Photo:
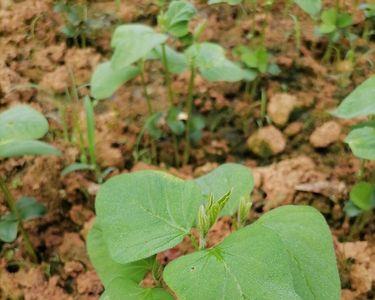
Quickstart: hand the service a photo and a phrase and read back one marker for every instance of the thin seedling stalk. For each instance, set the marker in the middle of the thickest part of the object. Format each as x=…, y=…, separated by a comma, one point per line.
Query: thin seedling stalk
x=189, y=107
x=11, y=203
x=149, y=105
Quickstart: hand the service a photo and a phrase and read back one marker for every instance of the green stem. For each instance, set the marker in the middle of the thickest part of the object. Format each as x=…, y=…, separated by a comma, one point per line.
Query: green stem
x=328, y=53
x=167, y=75
x=149, y=105
x=189, y=107
x=11, y=203
x=202, y=242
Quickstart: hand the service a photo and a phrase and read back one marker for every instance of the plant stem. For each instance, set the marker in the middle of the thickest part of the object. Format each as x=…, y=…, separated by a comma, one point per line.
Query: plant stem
x=202, y=242
x=149, y=105
x=189, y=106
x=328, y=53
x=170, y=98
x=11, y=203
x=167, y=75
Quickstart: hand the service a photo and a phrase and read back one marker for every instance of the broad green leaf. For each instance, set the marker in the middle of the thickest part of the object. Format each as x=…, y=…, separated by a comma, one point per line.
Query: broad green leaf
x=361, y=102
x=312, y=7
x=174, y=123
x=363, y=195
x=121, y=288
x=362, y=142
x=344, y=20
x=230, y=2
x=210, y=59
x=152, y=125
x=228, y=177
x=146, y=212
x=29, y=208
x=8, y=228
x=132, y=43
x=251, y=263
x=22, y=123
x=352, y=210
x=308, y=241
x=106, y=80
x=106, y=267
x=176, y=19
x=76, y=167
x=26, y=147
x=197, y=123
x=176, y=61
x=256, y=59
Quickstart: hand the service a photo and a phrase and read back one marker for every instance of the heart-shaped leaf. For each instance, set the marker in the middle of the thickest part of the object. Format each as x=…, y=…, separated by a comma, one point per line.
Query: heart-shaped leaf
x=359, y=103
x=251, y=263
x=145, y=212
x=228, y=177
x=106, y=267
x=312, y=7
x=106, y=80
x=176, y=19
x=362, y=195
x=29, y=208
x=362, y=142
x=287, y=254
x=132, y=43
x=121, y=288
x=210, y=59
x=8, y=228
x=22, y=123
x=26, y=147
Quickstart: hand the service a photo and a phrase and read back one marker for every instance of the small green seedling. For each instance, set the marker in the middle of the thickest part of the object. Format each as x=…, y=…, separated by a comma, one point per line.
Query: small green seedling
x=335, y=26
x=137, y=44
x=20, y=128
x=361, y=140
x=369, y=10
x=286, y=254
x=78, y=25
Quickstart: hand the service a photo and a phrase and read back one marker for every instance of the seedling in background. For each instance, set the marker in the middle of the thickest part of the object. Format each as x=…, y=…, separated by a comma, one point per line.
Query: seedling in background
x=20, y=128
x=78, y=25
x=369, y=29
x=335, y=26
x=284, y=251
x=135, y=45
x=361, y=140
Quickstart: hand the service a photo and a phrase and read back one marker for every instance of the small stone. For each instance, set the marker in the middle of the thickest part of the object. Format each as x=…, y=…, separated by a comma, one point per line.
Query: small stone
x=293, y=128
x=325, y=135
x=280, y=107
x=267, y=141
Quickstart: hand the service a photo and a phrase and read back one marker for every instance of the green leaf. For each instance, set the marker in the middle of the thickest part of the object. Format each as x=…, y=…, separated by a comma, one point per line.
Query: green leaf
x=174, y=123
x=176, y=61
x=8, y=228
x=307, y=238
x=22, y=123
x=145, y=212
x=352, y=210
x=230, y=2
x=76, y=167
x=287, y=254
x=362, y=195
x=210, y=59
x=197, y=123
x=251, y=263
x=257, y=59
x=360, y=102
x=29, y=208
x=228, y=177
x=121, y=288
x=106, y=267
x=312, y=7
x=132, y=43
x=362, y=142
x=176, y=19
x=90, y=129
x=344, y=20
x=106, y=80
x=27, y=147
x=152, y=125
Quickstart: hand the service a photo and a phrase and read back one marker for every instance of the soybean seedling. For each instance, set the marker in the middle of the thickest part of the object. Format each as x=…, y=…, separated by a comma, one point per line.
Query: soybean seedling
x=78, y=25
x=21, y=127
x=136, y=44
x=361, y=140
x=147, y=212
x=335, y=26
